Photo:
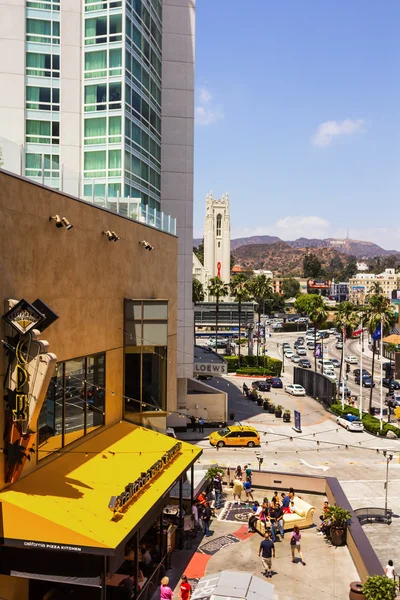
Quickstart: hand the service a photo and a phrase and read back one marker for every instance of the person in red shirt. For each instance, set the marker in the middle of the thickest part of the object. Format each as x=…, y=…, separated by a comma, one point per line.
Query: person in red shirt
x=185, y=589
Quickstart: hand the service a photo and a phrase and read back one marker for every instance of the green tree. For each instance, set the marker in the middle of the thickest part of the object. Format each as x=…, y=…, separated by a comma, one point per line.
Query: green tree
x=218, y=289
x=302, y=303
x=197, y=291
x=317, y=314
x=312, y=267
x=379, y=313
x=260, y=289
x=350, y=269
x=376, y=289
x=290, y=287
x=275, y=303
x=240, y=292
x=199, y=251
x=335, y=268
x=346, y=320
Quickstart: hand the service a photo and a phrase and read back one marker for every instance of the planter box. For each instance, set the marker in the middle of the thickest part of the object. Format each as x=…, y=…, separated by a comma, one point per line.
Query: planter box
x=278, y=414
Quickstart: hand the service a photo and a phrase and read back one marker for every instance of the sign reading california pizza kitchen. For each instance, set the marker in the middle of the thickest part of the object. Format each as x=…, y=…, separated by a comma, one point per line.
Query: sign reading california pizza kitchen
x=118, y=503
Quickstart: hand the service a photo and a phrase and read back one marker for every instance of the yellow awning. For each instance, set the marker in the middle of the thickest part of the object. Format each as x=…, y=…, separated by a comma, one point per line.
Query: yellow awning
x=65, y=503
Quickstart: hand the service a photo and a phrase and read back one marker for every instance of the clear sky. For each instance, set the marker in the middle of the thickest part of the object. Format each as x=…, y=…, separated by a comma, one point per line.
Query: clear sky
x=297, y=116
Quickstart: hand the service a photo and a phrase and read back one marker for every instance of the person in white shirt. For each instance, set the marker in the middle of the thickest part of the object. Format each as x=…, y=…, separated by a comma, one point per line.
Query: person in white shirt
x=389, y=570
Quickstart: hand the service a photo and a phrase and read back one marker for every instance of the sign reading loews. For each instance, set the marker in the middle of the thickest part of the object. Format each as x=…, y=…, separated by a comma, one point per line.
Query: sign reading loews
x=118, y=503
x=202, y=368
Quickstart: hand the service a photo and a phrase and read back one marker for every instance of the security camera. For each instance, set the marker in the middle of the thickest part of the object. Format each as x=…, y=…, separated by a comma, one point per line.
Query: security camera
x=66, y=223
x=57, y=221
x=146, y=245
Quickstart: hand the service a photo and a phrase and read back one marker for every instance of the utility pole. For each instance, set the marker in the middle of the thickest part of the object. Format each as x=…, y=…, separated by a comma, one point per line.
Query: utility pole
x=388, y=457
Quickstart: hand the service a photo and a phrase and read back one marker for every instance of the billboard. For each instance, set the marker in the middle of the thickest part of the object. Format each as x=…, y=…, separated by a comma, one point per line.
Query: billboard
x=358, y=288
x=319, y=284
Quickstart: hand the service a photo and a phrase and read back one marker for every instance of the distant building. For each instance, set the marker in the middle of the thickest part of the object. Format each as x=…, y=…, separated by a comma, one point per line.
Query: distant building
x=238, y=270
x=362, y=266
x=217, y=238
x=339, y=291
x=361, y=283
x=201, y=274
x=268, y=274
x=277, y=284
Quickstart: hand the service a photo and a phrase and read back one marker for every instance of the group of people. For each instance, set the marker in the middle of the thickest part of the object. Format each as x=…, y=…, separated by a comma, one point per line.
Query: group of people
x=270, y=513
x=197, y=423
x=185, y=589
x=267, y=549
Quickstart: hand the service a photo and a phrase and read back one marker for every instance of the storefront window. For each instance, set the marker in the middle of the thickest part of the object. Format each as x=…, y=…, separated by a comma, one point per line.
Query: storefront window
x=146, y=333
x=72, y=408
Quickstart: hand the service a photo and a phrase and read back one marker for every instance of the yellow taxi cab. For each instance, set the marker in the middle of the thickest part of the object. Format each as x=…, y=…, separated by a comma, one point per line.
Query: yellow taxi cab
x=235, y=435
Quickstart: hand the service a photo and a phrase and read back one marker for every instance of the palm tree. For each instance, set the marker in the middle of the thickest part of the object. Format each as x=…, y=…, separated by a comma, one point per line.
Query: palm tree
x=317, y=314
x=376, y=289
x=240, y=292
x=260, y=288
x=218, y=289
x=197, y=291
x=380, y=314
x=346, y=319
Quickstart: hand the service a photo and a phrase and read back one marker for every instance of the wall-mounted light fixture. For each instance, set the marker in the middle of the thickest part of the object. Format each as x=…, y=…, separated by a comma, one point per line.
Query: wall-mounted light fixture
x=111, y=236
x=146, y=245
x=61, y=222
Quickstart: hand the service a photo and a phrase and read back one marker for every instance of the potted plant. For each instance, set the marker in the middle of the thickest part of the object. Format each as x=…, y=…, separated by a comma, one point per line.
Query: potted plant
x=271, y=408
x=379, y=586
x=278, y=411
x=212, y=472
x=338, y=517
x=259, y=400
x=286, y=416
x=266, y=404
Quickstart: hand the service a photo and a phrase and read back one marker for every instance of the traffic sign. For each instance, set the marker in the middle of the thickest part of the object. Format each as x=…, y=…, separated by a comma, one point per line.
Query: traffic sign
x=397, y=412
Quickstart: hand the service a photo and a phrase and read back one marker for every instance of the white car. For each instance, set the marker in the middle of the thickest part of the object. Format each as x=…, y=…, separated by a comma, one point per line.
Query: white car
x=352, y=360
x=326, y=363
x=301, y=351
x=289, y=353
x=330, y=374
x=295, y=389
x=295, y=358
x=350, y=422
x=339, y=345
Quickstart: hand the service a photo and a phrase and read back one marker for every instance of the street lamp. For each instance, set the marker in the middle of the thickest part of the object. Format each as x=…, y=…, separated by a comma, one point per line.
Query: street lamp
x=388, y=457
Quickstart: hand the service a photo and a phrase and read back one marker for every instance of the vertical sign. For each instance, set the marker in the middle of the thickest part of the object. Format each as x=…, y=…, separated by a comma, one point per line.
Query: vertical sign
x=297, y=421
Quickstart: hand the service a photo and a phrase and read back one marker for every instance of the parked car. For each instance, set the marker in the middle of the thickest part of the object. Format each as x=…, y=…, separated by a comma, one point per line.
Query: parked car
x=395, y=385
x=335, y=362
x=350, y=422
x=305, y=363
x=295, y=358
x=276, y=382
x=339, y=345
x=301, y=351
x=261, y=385
x=295, y=389
x=350, y=359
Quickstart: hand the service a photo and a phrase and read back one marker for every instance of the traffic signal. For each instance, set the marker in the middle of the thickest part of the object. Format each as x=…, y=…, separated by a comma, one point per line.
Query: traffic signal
x=347, y=368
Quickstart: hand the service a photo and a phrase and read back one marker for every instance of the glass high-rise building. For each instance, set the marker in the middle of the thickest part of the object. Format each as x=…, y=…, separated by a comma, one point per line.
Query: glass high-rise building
x=97, y=100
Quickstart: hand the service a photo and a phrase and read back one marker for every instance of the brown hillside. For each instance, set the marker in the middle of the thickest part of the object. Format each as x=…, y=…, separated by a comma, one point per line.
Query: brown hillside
x=280, y=258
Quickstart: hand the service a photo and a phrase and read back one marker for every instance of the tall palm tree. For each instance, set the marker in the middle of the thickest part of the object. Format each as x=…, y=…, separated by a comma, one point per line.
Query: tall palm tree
x=379, y=313
x=240, y=292
x=376, y=289
x=317, y=314
x=346, y=319
x=260, y=288
x=218, y=289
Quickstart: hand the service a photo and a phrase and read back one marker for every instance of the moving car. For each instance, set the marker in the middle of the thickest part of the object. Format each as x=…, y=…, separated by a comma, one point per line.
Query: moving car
x=339, y=345
x=305, y=363
x=261, y=385
x=300, y=339
x=301, y=351
x=352, y=360
x=235, y=435
x=295, y=389
x=364, y=372
x=335, y=362
x=366, y=381
x=395, y=385
x=295, y=358
x=311, y=345
x=350, y=422
x=276, y=382
x=330, y=373
x=288, y=353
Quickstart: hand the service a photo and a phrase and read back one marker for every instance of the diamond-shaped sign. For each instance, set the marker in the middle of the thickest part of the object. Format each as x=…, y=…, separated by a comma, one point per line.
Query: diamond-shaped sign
x=23, y=317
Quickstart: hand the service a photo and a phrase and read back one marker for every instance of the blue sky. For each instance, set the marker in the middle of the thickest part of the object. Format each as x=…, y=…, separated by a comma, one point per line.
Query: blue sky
x=297, y=116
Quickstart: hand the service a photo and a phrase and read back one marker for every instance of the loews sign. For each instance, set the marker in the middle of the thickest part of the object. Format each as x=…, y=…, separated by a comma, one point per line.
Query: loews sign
x=118, y=503
x=201, y=368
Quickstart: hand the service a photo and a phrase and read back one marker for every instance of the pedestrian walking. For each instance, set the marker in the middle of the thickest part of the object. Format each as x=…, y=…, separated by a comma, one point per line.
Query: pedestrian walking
x=185, y=589
x=193, y=422
x=237, y=489
x=201, y=425
x=248, y=472
x=267, y=549
x=165, y=591
x=389, y=570
x=207, y=513
x=295, y=544
x=238, y=471
x=247, y=489
x=217, y=483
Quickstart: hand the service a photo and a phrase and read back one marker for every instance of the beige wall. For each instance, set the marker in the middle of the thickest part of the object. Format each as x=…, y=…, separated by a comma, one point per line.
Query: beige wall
x=83, y=277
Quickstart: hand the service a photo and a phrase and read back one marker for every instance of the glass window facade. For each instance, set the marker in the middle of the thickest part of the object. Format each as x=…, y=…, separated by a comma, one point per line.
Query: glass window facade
x=42, y=31
x=146, y=358
x=74, y=405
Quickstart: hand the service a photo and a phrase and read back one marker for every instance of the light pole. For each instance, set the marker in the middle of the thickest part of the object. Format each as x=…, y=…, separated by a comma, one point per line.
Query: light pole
x=388, y=459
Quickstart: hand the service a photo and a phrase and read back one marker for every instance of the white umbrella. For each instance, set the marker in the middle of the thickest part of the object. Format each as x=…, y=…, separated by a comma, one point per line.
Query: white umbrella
x=233, y=585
